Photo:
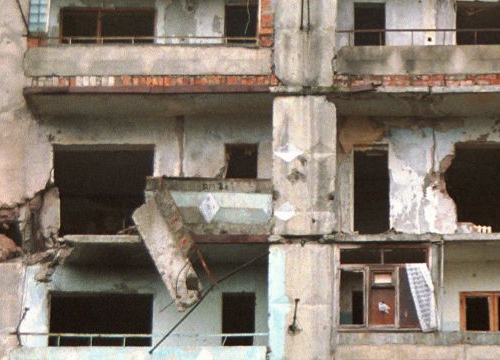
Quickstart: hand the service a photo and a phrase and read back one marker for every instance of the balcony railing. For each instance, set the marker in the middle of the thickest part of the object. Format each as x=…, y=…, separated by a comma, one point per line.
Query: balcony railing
x=158, y=40
x=124, y=340
x=473, y=36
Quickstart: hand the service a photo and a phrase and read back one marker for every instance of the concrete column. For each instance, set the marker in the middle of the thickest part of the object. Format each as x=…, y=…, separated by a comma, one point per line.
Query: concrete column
x=304, y=273
x=304, y=165
x=304, y=45
x=11, y=283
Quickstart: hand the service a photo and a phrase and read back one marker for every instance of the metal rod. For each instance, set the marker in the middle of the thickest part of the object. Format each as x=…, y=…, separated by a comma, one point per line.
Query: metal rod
x=225, y=277
x=25, y=21
x=308, y=16
x=301, y=27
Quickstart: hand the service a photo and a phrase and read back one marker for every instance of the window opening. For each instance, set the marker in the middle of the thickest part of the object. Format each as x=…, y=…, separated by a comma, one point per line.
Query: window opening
x=388, y=301
x=472, y=182
x=477, y=16
x=371, y=191
x=100, y=189
x=78, y=319
x=351, y=298
x=479, y=311
x=369, y=16
x=238, y=317
x=241, y=161
x=241, y=21
x=478, y=314
x=83, y=25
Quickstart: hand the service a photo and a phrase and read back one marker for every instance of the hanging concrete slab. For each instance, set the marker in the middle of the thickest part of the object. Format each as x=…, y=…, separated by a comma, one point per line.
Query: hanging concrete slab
x=162, y=228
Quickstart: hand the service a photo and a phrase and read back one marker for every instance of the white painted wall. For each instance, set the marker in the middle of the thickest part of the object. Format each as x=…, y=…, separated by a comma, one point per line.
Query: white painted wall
x=473, y=267
x=415, y=151
x=206, y=319
x=205, y=139
x=405, y=14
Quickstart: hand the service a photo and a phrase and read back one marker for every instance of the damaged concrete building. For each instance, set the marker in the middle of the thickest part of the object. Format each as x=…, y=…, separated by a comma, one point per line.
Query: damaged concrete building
x=250, y=179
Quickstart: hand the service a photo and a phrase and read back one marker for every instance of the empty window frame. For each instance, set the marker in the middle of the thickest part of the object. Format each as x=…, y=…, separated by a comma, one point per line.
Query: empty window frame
x=369, y=24
x=477, y=23
x=100, y=186
x=472, y=182
x=85, y=319
x=371, y=191
x=95, y=25
x=242, y=161
x=238, y=317
x=241, y=19
x=374, y=290
x=479, y=311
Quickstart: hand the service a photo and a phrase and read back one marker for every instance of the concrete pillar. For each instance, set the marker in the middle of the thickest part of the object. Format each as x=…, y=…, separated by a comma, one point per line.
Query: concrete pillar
x=11, y=283
x=304, y=45
x=304, y=273
x=304, y=165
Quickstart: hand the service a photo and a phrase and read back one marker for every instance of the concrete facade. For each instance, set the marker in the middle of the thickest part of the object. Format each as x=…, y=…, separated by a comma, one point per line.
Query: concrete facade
x=307, y=102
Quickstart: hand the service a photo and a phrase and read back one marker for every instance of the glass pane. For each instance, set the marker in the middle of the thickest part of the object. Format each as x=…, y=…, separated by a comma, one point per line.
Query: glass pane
x=382, y=279
x=351, y=298
x=360, y=256
x=405, y=256
x=477, y=313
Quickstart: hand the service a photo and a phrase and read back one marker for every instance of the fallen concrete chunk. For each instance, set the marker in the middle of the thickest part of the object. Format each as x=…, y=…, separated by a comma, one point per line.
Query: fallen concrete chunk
x=161, y=227
x=8, y=248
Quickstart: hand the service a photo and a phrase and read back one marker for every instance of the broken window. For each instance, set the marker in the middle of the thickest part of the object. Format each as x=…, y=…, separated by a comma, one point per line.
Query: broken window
x=477, y=23
x=100, y=187
x=368, y=17
x=238, y=317
x=480, y=311
x=100, y=319
x=241, y=21
x=352, y=298
x=377, y=293
x=371, y=191
x=84, y=25
x=472, y=182
x=241, y=161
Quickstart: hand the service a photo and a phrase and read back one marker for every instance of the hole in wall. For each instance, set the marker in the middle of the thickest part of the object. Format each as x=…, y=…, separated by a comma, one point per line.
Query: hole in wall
x=472, y=182
x=100, y=187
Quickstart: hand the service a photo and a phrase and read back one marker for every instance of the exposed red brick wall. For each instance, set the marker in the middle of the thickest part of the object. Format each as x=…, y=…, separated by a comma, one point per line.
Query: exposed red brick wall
x=266, y=28
x=350, y=81
x=151, y=81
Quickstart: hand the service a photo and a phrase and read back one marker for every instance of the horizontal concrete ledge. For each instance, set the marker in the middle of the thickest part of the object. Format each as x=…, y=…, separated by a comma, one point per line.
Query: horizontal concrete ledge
x=393, y=60
x=102, y=239
x=473, y=237
x=210, y=184
x=176, y=89
x=130, y=353
x=432, y=339
x=230, y=239
x=146, y=60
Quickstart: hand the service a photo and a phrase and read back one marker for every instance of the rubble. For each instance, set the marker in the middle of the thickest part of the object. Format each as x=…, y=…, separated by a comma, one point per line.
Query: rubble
x=8, y=248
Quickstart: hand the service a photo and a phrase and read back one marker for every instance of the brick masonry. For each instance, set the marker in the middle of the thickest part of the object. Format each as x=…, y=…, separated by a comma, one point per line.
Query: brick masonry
x=352, y=81
x=150, y=81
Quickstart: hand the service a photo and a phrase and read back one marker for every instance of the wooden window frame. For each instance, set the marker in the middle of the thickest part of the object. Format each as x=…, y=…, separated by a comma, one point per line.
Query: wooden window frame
x=368, y=270
x=99, y=12
x=493, y=301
